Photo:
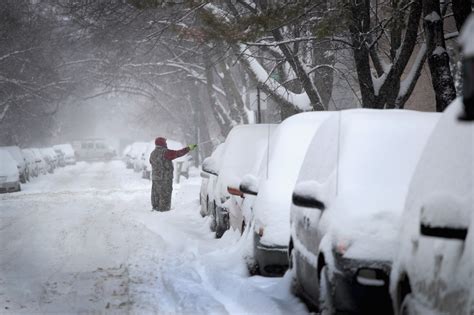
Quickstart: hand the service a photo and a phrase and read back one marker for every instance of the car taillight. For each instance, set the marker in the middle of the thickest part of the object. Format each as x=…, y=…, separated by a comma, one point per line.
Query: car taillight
x=342, y=246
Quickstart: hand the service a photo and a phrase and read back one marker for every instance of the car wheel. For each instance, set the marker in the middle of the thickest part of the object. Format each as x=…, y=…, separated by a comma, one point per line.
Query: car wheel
x=326, y=306
x=408, y=305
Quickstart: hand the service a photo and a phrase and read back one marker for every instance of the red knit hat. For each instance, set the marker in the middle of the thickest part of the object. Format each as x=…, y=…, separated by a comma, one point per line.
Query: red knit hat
x=160, y=141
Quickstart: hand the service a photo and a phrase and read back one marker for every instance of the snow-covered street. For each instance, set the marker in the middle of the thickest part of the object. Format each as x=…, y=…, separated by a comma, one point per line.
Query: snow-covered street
x=83, y=240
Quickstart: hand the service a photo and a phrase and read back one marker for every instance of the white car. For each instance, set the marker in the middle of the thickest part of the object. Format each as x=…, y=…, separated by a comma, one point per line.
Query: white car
x=68, y=151
x=433, y=272
x=206, y=196
x=135, y=153
x=30, y=162
x=347, y=205
x=9, y=175
x=243, y=150
x=93, y=149
x=274, y=184
x=17, y=155
x=41, y=164
x=49, y=158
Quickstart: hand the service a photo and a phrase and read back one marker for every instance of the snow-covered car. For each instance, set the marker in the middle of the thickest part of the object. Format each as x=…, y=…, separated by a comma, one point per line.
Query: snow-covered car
x=208, y=182
x=180, y=165
x=347, y=205
x=68, y=151
x=30, y=162
x=49, y=158
x=274, y=184
x=17, y=155
x=93, y=149
x=9, y=174
x=243, y=149
x=433, y=272
x=135, y=153
x=141, y=160
x=125, y=154
x=41, y=164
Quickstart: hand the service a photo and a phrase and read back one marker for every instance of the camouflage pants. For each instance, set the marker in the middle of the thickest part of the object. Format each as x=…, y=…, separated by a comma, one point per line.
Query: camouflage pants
x=161, y=191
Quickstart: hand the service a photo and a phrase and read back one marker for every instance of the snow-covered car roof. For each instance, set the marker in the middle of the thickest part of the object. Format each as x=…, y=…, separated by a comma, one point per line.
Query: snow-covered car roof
x=8, y=166
x=447, y=163
x=16, y=154
x=360, y=162
x=243, y=149
x=278, y=172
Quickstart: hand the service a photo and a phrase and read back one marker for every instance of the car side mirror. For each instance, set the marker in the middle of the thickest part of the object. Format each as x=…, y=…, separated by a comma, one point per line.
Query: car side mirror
x=234, y=191
x=209, y=165
x=444, y=217
x=305, y=195
x=249, y=185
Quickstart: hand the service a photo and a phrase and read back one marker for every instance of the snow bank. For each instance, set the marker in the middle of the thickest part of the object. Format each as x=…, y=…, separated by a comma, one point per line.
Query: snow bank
x=278, y=173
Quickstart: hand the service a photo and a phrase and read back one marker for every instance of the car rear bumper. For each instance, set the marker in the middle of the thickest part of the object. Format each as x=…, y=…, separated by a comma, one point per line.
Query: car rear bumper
x=272, y=260
x=362, y=287
x=9, y=187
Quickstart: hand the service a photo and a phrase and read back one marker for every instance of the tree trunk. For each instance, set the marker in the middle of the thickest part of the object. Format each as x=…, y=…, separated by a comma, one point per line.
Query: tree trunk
x=438, y=58
x=461, y=10
x=219, y=114
x=360, y=24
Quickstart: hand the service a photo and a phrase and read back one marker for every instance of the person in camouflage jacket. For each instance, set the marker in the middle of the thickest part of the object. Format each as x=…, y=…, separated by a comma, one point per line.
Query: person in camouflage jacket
x=162, y=173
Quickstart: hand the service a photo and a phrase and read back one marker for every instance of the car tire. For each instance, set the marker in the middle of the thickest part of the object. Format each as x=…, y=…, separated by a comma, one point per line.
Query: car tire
x=326, y=306
x=213, y=225
x=408, y=306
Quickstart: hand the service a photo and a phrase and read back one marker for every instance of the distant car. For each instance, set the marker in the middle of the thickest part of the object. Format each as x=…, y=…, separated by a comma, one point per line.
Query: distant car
x=243, y=149
x=274, y=184
x=49, y=158
x=433, y=269
x=93, y=149
x=30, y=162
x=9, y=175
x=68, y=151
x=347, y=204
x=135, y=152
x=41, y=163
x=17, y=155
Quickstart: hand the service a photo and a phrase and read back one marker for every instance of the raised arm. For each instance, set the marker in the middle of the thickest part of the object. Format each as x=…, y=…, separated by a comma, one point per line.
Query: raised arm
x=174, y=154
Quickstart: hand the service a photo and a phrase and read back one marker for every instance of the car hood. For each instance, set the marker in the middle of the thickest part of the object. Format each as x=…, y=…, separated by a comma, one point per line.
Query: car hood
x=369, y=231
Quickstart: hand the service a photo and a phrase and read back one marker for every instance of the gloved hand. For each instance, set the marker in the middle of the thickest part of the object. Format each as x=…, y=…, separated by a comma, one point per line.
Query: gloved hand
x=192, y=146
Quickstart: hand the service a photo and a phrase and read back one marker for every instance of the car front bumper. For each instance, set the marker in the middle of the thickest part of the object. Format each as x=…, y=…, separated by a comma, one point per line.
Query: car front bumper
x=272, y=260
x=361, y=287
x=9, y=187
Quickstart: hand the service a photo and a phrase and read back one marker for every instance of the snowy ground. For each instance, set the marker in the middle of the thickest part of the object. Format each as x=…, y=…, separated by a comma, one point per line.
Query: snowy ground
x=84, y=240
